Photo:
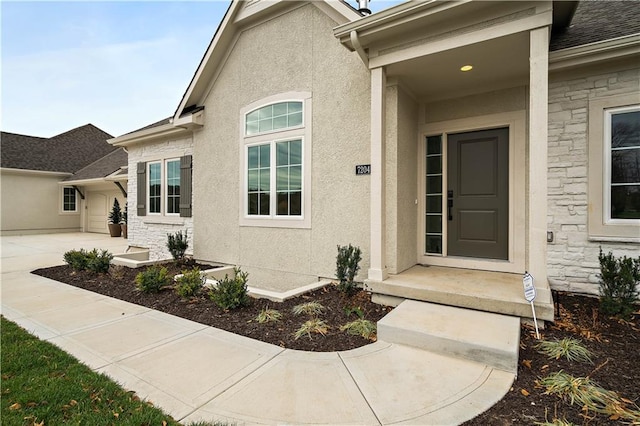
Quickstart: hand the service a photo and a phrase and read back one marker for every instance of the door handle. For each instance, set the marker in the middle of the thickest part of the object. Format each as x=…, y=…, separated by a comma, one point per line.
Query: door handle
x=449, y=204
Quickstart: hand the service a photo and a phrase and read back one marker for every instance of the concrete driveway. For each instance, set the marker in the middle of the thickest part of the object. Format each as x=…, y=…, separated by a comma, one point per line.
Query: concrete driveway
x=195, y=372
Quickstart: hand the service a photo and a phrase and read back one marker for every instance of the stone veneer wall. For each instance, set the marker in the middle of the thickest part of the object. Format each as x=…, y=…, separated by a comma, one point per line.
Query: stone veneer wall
x=151, y=231
x=572, y=260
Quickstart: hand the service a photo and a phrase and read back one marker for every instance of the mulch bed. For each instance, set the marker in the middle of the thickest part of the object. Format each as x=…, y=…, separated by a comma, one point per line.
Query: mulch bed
x=120, y=284
x=615, y=344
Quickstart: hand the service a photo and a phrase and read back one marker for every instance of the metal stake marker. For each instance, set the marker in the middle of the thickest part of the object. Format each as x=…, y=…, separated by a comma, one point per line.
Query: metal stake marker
x=530, y=296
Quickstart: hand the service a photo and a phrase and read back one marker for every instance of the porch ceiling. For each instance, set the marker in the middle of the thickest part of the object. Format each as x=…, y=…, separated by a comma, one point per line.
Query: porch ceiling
x=497, y=63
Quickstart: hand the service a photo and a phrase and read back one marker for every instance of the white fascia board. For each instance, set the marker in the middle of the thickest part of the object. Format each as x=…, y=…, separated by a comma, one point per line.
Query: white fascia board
x=392, y=17
x=190, y=121
x=208, y=65
x=34, y=172
x=617, y=48
x=163, y=131
x=81, y=182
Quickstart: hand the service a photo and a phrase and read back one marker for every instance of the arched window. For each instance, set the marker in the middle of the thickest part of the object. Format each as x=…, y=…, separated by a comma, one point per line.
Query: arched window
x=276, y=162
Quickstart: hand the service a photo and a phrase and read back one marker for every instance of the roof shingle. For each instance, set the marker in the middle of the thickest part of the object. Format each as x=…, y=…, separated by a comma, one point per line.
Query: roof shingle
x=598, y=21
x=67, y=152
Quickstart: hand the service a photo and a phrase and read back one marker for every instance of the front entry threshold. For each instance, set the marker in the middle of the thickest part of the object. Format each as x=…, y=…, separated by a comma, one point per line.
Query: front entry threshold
x=496, y=292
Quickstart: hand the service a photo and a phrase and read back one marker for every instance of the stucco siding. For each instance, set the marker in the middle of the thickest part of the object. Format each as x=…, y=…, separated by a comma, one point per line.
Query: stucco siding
x=309, y=59
x=151, y=231
x=572, y=260
x=513, y=99
x=33, y=204
x=401, y=183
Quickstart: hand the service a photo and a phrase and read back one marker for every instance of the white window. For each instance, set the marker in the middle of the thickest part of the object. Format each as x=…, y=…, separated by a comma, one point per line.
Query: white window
x=163, y=187
x=622, y=154
x=614, y=168
x=276, y=162
x=69, y=201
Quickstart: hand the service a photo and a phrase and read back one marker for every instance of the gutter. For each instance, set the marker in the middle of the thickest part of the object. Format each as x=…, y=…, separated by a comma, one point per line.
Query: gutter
x=165, y=130
x=617, y=48
x=34, y=172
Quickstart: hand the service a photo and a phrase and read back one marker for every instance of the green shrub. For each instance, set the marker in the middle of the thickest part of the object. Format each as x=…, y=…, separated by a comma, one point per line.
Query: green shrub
x=115, y=215
x=94, y=260
x=77, y=259
x=347, y=266
x=177, y=244
x=99, y=261
x=153, y=279
x=190, y=283
x=619, y=279
x=231, y=293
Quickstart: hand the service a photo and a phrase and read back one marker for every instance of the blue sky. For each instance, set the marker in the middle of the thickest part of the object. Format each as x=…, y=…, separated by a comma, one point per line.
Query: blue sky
x=119, y=65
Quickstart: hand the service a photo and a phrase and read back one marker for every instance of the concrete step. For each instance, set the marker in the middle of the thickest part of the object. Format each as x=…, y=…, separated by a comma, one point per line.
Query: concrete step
x=496, y=292
x=483, y=337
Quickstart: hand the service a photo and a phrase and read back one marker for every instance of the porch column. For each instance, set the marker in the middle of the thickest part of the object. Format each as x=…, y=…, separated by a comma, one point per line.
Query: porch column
x=378, y=268
x=538, y=124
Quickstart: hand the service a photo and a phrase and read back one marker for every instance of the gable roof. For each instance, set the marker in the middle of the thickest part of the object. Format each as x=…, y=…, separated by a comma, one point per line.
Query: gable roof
x=67, y=152
x=111, y=163
x=240, y=14
x=596, y=21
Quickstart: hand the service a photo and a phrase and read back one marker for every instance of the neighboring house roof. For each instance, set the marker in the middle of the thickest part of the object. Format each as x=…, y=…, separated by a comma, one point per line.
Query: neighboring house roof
x=67, y=152
x=103, y=167
x=152, y=125
x=595, y=21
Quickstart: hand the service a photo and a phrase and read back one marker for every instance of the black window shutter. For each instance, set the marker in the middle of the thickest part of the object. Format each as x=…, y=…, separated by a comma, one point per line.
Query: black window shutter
x=142, y=189
x=185, y=185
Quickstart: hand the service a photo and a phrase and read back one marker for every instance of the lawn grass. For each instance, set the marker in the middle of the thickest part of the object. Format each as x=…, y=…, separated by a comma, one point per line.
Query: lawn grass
x=43, y=385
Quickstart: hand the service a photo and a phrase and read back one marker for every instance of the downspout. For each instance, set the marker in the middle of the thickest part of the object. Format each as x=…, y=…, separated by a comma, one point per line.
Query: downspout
x=355, y=42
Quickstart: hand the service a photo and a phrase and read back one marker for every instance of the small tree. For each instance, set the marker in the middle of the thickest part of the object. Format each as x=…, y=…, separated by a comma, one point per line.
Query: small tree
x=619, y=279
x=347, y=267
x=177, y=244
x=115, y=216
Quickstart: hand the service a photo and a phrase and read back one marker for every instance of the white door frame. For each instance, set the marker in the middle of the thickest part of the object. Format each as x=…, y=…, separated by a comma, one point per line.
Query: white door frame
x=516, y=122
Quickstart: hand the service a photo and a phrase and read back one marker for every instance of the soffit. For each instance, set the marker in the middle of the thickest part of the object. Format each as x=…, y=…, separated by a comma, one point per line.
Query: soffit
x=497, y=63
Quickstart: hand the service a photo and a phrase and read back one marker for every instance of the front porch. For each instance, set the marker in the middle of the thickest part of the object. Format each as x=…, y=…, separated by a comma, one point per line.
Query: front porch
x=497, y=292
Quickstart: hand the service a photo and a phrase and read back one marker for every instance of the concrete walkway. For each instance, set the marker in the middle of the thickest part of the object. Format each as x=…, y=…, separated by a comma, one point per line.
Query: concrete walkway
x=194, y=372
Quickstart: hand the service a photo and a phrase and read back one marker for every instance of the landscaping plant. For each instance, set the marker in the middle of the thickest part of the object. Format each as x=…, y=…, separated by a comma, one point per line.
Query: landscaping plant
x=153, y=279
x=178, y=244
x=231, y=293
x=347, y=266
x=588, y=395
x=115, y=215
x=314, y=325
x=268, y=315
x=569, y=348
x=190, y=283
x=619, y=280
x=94, y=260
x=308, y=308
x=361, y=327
x=77, y=259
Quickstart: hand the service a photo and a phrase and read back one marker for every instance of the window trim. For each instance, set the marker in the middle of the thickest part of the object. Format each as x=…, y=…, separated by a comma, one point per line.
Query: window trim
x=600, y=226
x=164, y=193
x=303, y=133
x=606, y=205
x=62, y=203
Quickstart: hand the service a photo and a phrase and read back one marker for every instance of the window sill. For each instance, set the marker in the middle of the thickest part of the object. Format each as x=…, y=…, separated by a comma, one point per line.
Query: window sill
x=163, y=220
x=606, y=239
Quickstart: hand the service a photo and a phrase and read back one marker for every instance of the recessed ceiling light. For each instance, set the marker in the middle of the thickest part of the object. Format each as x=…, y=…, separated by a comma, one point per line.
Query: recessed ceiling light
x=466, y=68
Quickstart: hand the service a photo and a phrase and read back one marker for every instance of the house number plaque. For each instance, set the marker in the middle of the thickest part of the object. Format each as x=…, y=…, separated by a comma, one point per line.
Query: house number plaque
x=363, y=169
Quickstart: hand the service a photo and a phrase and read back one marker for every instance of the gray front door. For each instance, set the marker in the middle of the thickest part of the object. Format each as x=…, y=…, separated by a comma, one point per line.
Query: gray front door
x=478, y=194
